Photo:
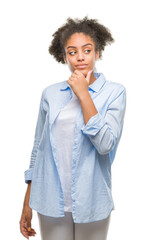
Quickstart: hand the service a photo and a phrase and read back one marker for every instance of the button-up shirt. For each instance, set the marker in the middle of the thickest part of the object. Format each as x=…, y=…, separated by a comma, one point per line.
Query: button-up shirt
x=65, y=136
x=93, y=152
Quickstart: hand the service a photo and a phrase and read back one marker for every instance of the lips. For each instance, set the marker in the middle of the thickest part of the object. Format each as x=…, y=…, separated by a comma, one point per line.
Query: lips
x=81, y=65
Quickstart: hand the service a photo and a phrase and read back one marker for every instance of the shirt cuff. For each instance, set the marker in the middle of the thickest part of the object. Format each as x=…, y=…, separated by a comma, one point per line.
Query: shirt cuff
x=94, y=125
x=28, y=175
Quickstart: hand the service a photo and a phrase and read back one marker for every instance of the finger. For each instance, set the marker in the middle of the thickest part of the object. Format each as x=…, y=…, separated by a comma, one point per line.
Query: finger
x=72, y=78
x=77, y=72
x=73, y=74
x=31, y=231
x=24, y=231
x=89, y=75
x=25, y=234
x=22, y=227
x=31, y=234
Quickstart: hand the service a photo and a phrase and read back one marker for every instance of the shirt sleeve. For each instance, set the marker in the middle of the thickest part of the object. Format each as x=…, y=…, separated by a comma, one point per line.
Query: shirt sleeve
x=104, y=132
x=38, y=133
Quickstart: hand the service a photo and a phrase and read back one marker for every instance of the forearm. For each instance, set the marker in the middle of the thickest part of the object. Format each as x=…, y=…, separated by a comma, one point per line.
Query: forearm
x=104, y=131
x=38, y=133
x=27, y=195
x=88, y=107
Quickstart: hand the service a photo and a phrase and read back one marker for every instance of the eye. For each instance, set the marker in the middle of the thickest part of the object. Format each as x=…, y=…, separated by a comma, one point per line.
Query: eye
x=71, y=53
x=88, y=50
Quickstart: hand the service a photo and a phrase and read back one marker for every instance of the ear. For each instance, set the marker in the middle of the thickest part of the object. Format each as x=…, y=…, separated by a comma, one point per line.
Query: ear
x=64, y=59
x=97, y=54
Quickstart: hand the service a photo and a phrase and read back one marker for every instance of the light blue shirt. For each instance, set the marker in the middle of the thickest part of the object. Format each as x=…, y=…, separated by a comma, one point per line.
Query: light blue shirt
x=93, y=152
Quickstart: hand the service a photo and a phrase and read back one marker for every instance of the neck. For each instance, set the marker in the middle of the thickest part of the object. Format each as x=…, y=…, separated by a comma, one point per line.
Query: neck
x=92, y=78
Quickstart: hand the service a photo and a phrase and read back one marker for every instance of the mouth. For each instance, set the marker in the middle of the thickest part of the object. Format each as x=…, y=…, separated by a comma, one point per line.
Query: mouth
x=81, y=66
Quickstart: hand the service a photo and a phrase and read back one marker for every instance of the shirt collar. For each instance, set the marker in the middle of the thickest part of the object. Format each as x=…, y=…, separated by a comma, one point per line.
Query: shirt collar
x=95, y=86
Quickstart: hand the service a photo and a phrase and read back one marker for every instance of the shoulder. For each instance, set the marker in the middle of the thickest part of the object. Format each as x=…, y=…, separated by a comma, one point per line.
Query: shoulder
x=109, y=86
x=115, y=85
x=115, y=88
x=51, y=88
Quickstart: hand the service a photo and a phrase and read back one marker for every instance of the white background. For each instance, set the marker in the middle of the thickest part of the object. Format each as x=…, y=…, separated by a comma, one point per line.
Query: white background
x=26, y=68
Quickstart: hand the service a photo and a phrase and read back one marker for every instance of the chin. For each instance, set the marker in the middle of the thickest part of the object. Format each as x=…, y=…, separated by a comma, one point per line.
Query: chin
x=84, y=71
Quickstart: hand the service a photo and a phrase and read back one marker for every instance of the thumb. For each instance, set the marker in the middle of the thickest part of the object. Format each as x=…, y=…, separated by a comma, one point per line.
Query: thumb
x=28, y=224
x=88, y=76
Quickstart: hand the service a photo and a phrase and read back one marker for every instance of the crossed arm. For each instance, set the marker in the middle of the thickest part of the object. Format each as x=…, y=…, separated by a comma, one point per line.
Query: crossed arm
x=103, y=132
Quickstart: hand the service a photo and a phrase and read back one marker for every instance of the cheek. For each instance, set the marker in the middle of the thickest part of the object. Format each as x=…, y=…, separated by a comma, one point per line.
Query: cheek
x=69, y=61
x=70, y=65
x=91, y=61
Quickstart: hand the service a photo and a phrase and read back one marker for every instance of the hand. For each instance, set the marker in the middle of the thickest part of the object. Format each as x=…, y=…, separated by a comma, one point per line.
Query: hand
x=25, y=223
x=79, y=83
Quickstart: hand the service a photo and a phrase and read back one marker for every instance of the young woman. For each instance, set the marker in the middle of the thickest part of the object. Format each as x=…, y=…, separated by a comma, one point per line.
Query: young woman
x=79, y=125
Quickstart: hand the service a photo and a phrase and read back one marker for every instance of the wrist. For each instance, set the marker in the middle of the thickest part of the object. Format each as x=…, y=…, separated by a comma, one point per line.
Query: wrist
x=26, y=204
x=26, y=208
x=84, y=96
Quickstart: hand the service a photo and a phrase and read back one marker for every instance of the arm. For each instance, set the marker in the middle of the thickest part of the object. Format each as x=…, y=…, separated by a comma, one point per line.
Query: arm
x=27, y=195
x=26, y=216
x=88, y=107
x=104, y=132
x=37, y=138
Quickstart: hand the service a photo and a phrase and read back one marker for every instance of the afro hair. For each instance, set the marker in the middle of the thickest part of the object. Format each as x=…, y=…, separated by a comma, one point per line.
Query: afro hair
x=100, y=35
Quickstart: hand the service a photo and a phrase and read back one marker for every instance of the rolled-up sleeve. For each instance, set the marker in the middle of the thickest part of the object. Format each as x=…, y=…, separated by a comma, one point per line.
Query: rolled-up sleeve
x=104, y=132
x=38, y=133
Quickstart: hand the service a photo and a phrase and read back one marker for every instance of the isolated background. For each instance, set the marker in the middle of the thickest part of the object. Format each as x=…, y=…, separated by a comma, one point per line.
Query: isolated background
x=26, y=68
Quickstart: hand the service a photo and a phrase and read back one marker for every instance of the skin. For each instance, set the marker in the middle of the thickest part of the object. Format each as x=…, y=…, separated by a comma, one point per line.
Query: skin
x=26, y=216
x=77, y=53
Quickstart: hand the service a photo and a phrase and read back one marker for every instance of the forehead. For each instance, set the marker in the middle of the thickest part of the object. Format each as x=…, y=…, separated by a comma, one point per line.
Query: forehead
x=79, y=39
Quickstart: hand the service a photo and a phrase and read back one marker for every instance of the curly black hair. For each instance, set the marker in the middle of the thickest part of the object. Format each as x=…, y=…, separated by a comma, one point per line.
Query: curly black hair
x=100, y=35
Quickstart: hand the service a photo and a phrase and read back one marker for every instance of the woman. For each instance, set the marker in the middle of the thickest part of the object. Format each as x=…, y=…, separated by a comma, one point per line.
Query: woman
x=79, y=126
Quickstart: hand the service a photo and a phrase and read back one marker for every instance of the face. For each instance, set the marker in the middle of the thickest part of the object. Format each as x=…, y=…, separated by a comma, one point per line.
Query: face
x=80, y=53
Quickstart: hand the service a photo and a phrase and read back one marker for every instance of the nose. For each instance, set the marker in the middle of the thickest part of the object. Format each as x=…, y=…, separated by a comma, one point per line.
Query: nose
x=80, y=56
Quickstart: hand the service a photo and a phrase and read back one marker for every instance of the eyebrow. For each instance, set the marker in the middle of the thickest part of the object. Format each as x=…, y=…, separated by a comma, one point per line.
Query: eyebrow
x=82, y=46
